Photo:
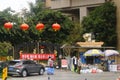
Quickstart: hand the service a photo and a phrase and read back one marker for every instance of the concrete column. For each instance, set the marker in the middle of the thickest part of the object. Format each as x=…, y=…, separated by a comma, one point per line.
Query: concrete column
x=117, y=2
x=48, y=3
x=82, y=12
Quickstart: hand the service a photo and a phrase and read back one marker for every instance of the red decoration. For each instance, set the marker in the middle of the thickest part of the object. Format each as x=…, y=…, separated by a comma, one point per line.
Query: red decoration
x=8, y=25
x=40, y=26
x=39, y=56
x=42, y=47
x=24, y=26
x=56, y=26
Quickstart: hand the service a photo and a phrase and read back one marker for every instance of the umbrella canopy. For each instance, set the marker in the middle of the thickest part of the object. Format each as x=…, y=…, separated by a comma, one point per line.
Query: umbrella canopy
x=94, y=52
x=110, y=52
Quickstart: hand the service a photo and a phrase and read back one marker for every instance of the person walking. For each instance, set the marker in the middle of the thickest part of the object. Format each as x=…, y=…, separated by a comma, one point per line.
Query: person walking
x=75, y=63
x=79, y=65
x=50, y=62
x=50, y=69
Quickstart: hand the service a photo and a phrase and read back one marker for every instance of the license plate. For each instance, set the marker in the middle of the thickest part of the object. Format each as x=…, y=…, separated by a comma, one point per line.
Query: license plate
x=10, y=68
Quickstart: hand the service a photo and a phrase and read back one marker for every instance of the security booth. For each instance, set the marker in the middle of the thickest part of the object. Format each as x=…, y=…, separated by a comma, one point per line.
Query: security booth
x=90, y=53
x=3, y=70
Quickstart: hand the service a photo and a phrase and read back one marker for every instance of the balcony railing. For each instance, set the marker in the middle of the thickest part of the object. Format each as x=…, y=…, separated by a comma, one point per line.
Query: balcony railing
x=55, y=4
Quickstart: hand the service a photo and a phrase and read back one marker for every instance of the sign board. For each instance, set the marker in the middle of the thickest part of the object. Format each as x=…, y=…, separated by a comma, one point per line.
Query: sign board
x=90, y=44
x=3, y=58
x=63, y=63
x=113, y=68
x=118, y=67
x=37, y=56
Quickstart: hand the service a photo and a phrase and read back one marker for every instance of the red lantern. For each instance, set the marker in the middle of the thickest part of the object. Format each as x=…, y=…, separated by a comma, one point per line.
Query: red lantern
x=24, y=27
x=40, y=26
x=8, y=25
x=56, y=26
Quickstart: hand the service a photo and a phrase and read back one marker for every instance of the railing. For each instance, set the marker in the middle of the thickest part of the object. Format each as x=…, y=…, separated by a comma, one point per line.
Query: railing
x=55, y=4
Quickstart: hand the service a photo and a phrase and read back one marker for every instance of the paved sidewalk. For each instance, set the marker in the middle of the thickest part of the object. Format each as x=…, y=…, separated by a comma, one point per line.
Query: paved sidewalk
x=68, y=75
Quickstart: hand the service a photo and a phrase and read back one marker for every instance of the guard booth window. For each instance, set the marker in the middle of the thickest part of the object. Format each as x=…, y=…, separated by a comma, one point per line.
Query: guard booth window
x=93, y=59
x=89, y=59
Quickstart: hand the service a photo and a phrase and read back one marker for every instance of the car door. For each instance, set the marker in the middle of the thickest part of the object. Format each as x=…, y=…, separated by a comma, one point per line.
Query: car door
x=34, y=67
x=27, y=65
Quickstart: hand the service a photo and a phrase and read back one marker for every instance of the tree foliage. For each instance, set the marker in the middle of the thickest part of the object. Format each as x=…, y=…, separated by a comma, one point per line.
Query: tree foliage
x=48, y=17
x=11, y=35
x=69, y=32
x=75, y=34
x=102, y=22
x=36, y=15
x=4, y=48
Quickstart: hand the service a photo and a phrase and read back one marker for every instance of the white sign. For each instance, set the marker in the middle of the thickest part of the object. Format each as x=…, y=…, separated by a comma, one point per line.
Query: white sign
x=113, y=68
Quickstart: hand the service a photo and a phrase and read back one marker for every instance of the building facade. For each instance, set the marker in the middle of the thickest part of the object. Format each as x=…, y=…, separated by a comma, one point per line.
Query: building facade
x=117, y=2
x=77, y=9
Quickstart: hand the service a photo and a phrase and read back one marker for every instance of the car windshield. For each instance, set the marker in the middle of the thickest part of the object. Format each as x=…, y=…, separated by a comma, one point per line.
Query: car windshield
x=14, y=62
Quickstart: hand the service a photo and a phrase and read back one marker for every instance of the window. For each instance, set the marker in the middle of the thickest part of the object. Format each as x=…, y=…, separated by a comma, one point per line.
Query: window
x=32, y=62
x=26, y=62
x=14, y=62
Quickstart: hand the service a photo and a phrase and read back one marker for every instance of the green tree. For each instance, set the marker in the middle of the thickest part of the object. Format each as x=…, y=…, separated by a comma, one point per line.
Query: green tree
x=102, y=22
x=4, y=48
x=39, y=14
x=11, y=35
x=75, y=34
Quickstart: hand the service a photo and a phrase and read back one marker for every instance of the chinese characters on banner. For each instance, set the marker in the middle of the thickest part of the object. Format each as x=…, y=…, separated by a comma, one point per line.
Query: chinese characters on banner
x=37, y=56
x=64, y=63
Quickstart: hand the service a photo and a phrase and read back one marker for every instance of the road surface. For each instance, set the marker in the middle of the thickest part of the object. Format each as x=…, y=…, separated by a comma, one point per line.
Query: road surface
x=68, y=75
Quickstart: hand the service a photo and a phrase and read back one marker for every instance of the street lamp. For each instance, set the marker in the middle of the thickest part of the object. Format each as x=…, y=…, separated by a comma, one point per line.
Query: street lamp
x=39, y=27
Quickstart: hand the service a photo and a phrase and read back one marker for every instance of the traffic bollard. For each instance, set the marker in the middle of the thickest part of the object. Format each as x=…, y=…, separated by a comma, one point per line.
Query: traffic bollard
x=3, y=70
x=4, y=73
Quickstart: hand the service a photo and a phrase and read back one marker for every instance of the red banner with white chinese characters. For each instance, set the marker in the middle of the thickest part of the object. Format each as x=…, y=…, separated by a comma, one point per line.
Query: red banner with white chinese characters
x=37, y=56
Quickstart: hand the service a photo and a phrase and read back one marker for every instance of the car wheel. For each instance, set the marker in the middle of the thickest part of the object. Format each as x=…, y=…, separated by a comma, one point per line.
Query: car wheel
x=24, y=73
x=41, y=71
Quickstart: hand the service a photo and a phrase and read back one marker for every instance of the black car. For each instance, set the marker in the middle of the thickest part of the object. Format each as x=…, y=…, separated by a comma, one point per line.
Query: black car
x=24, y=67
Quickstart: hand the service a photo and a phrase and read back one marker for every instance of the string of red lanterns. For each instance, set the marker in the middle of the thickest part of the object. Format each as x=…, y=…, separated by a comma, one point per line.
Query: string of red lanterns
x=39, y=26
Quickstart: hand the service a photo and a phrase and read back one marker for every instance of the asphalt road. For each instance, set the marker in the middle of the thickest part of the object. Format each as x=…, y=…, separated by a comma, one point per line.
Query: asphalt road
x=68, y=75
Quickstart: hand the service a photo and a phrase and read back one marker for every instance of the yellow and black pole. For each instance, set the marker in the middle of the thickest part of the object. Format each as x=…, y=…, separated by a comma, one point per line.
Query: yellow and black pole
x=3, y=70
x=4, y=73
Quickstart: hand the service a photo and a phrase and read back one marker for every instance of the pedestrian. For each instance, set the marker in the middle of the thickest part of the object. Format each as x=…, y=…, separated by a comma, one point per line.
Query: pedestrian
x=75, y=63
x=79, y=65
x=50, y=70
x=50, y=62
